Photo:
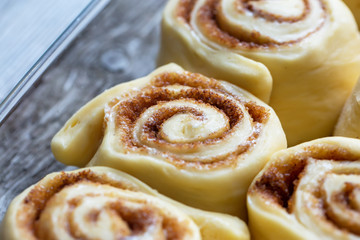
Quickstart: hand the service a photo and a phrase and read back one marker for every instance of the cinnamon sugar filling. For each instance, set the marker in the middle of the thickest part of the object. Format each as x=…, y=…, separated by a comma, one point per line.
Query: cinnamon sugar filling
x=279, y=182
x=137, y=220
x=208, y=18
x=346, y=198
x=203, y=90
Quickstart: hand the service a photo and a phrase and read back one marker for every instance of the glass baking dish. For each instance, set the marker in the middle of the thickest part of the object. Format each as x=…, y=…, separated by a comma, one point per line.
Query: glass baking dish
x=33, y=34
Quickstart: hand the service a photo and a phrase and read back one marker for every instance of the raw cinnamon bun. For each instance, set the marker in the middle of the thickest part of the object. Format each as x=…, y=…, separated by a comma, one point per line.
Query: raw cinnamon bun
x=102, y=203
x=348, y=124
x=311, y=48
x=310, y=191
x=196, y=139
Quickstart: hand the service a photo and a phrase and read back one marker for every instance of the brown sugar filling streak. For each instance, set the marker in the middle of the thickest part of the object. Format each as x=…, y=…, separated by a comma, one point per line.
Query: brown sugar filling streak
x=279, y=182
x=137, y=221
x=244, y=4
x=203, y=90
x=207, y=17
x=346, y=198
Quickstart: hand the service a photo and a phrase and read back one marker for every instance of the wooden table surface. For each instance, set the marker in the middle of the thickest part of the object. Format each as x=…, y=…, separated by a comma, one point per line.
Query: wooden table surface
x=119, y=45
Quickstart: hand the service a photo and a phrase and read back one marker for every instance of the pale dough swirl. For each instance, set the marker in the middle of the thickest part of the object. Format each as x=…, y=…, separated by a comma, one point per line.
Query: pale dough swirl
x=102, y=203
x=310, y=47
x=193, y=138
x=310, y=191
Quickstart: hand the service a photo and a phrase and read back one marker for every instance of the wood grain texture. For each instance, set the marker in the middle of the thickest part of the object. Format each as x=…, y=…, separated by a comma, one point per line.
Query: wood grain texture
x=119, y=45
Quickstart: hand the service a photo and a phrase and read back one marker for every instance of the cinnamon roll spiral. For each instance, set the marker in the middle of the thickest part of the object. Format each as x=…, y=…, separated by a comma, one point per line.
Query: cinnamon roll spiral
x=311, y=48
x=348, y=124
x=310, y=191
x=101, y=203
x=193, y=138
